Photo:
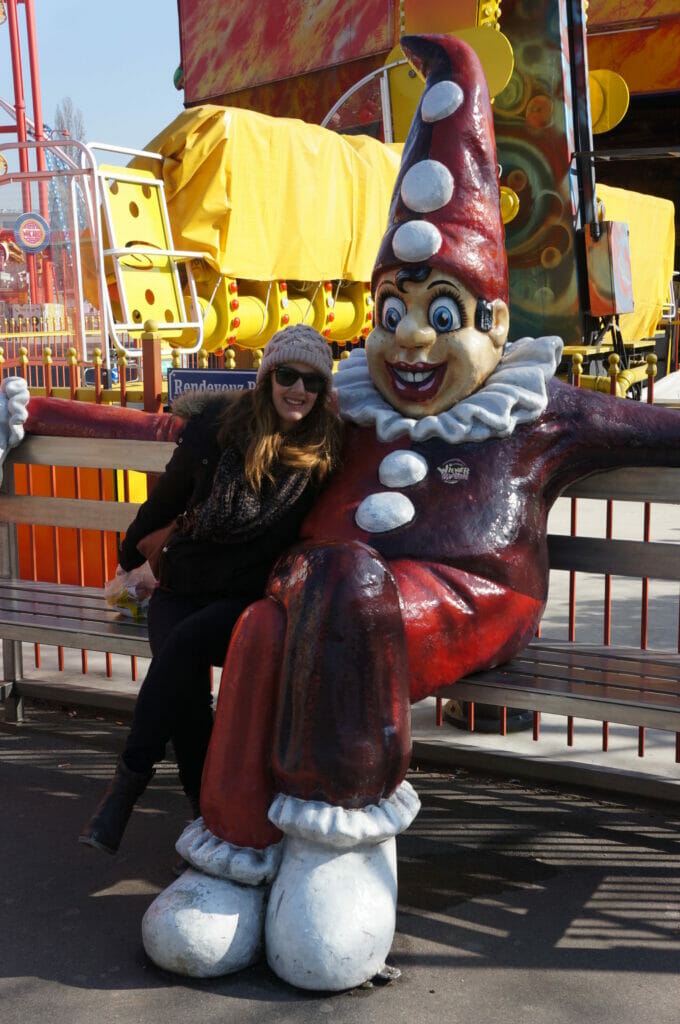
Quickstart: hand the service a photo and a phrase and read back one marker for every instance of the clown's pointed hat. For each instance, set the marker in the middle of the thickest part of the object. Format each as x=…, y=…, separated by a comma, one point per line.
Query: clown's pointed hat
x=445, y=208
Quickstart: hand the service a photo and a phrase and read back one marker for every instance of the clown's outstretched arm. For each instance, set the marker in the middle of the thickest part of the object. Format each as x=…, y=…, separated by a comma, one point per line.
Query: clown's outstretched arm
x=598, y=432
x=62, y=417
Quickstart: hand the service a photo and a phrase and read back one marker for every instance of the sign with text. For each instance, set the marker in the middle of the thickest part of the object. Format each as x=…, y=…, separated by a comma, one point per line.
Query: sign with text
x=181, y=382
x=32, y=232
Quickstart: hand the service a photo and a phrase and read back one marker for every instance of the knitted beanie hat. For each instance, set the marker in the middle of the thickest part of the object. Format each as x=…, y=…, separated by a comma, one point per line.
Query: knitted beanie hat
x=297, y=344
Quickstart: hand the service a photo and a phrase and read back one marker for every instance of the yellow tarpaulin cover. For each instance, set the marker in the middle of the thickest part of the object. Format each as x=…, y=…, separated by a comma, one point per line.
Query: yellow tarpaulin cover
x=652, y=246
x=274, y=198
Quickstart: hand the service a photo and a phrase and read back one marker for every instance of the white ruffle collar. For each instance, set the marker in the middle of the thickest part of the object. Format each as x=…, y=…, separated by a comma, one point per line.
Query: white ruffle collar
x=515, y=393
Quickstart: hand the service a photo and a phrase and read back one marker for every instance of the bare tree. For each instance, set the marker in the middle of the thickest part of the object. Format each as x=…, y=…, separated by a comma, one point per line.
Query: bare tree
x=69, y=118
x=68, y=121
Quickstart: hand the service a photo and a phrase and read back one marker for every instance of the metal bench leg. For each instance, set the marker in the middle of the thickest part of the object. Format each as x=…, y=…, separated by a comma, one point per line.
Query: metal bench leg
x=12, y=671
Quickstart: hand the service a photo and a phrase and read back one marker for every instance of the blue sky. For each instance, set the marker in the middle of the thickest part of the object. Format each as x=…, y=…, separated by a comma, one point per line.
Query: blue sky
x=114, y=58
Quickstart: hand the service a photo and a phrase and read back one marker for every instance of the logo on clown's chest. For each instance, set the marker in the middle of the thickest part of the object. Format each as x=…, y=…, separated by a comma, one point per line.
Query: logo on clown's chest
x=453, y=472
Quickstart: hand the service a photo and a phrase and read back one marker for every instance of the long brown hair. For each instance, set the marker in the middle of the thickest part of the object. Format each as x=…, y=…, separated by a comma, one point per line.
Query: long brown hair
x=250, y=422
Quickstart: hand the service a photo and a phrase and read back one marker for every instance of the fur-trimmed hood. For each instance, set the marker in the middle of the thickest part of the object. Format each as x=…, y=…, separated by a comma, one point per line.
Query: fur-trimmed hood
x=193, y=403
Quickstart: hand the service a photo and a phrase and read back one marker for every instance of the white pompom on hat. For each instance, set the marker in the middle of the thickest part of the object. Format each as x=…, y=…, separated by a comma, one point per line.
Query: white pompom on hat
x=297, y=344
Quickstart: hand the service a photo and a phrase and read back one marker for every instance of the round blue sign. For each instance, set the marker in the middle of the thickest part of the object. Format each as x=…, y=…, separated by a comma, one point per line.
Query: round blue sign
x=32, y=232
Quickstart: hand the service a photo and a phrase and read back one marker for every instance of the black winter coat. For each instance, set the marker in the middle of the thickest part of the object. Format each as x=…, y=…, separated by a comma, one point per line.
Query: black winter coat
x=207, y=569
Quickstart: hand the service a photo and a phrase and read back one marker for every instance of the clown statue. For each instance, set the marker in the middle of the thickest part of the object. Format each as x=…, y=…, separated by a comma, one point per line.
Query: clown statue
x=423, y=560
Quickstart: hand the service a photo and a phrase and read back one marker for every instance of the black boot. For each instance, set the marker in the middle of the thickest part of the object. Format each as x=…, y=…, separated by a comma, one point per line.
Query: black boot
x=105, y=828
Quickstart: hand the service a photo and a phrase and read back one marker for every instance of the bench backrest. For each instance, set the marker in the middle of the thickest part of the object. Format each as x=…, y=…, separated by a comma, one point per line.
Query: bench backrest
x=654, y=559
x=79, y=452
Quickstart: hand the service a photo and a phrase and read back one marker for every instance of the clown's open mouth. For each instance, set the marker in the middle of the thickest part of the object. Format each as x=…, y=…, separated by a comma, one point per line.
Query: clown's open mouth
x=416, y=382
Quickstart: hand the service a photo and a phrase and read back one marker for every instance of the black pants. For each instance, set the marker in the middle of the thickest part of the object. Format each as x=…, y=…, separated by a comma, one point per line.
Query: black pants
x=174, y=703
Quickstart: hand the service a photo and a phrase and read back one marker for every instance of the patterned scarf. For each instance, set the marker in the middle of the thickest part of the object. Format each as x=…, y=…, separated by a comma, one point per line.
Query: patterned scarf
x=233, y=511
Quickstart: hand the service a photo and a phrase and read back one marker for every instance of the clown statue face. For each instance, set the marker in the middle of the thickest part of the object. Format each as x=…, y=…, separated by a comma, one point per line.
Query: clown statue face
x=434, y=342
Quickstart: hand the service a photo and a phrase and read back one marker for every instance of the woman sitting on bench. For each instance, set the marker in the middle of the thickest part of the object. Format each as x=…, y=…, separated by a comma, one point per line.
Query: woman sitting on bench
x=245, y=473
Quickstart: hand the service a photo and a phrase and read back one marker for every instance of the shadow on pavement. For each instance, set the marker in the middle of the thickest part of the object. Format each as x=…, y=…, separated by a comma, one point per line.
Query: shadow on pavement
x=514, y=900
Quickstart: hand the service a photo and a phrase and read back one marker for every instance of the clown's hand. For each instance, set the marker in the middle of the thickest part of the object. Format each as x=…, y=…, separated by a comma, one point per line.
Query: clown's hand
x=14, y=398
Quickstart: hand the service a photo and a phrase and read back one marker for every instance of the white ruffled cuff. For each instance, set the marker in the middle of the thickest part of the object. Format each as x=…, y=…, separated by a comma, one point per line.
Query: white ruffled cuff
x=14, y=398
x=340, y=828
x=213, y=856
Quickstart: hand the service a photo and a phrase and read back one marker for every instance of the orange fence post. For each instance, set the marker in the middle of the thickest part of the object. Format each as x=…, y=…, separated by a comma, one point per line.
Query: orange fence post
x=652, y=361
x=613, y=372
x=576, y=371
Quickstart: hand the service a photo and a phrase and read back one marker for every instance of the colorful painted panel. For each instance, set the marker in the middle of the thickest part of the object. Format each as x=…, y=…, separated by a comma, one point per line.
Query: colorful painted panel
x=230, y=47
x=534, y=138
x=602, y=12
x=640, y=39
x=610, y=286
x=310, y=97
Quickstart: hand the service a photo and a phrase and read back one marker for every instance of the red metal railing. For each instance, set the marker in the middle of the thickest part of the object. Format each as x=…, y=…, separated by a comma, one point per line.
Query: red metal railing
x=576, y=374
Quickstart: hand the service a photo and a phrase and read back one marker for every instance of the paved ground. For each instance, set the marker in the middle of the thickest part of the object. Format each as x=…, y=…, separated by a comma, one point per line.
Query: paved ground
x=516, y=903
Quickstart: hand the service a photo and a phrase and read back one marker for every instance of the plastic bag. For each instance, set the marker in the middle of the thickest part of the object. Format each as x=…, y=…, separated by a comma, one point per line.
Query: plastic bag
x=129, y=592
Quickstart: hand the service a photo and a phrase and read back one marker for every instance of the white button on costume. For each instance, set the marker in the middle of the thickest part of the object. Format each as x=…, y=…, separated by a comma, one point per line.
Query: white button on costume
x=379, y=513
x=440, y=101
x=416, y=241
x=402, y=469
x=427, y=185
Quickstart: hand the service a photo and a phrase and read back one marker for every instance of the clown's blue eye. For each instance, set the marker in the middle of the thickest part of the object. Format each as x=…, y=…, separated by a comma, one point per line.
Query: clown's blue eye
x=392, y=312
x=444, y=314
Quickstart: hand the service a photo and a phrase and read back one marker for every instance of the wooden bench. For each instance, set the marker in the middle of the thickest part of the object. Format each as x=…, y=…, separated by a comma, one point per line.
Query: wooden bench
x=54, y=613
x=633, y=687
x=604, y=683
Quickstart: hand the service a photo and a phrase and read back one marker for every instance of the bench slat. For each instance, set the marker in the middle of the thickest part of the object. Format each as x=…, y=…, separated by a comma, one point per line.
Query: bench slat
x=97, y=453
x=570, y=688
x=46, y=594
x=647, y=483
x=656, y=560
x=37, y=591
x=581, y=701
x=84, y=513
x=117, y=637
x=88, y=619
x=635, y=662
x=535, y=673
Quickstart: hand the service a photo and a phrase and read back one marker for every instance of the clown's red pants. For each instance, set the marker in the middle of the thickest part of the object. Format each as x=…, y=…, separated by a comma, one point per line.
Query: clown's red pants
x=316, y=688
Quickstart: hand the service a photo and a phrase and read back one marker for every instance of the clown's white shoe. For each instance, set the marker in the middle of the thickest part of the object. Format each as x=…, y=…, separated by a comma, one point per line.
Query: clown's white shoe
x=332, y=909
x=210, y=921
x=205, y=927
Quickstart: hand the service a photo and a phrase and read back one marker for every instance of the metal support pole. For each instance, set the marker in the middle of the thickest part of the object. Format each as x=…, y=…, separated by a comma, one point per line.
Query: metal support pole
x=20, y=116
x=152, y=370
x=39, y=132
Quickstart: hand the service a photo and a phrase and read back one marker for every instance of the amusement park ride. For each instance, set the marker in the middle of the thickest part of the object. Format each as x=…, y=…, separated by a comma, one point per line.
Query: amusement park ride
x=275, y=181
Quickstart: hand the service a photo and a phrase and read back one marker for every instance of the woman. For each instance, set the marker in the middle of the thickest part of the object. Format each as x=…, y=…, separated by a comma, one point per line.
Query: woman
x=244, y=475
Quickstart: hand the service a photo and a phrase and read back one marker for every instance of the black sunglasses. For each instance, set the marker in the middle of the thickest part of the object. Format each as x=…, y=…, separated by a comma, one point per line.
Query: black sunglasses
x=286, y=376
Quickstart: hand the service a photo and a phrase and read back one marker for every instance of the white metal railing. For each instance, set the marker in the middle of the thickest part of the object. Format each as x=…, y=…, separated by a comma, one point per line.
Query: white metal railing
x=116, y=253
x=386, y=104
